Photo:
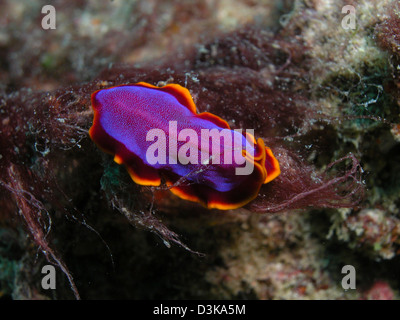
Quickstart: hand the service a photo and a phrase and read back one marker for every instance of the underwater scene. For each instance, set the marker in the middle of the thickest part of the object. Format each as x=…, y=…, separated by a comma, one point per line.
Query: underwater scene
x=200, y=149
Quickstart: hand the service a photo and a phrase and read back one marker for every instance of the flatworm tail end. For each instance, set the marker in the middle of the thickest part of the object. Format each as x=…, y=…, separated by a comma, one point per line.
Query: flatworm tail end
x=137, y=169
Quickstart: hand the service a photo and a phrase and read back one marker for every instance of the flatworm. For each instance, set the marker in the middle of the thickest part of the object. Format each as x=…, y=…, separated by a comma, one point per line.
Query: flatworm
x=158, y=135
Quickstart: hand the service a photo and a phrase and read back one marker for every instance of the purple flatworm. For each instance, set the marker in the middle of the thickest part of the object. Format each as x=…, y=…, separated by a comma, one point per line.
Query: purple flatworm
x=158, y=135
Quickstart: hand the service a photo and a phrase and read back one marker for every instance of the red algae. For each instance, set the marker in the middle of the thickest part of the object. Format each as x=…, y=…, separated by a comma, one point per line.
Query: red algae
x=388, y=32
x=380, y=290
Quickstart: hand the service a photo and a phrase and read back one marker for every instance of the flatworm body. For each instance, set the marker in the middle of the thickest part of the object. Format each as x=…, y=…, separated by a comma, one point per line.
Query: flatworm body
x=158, y=135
